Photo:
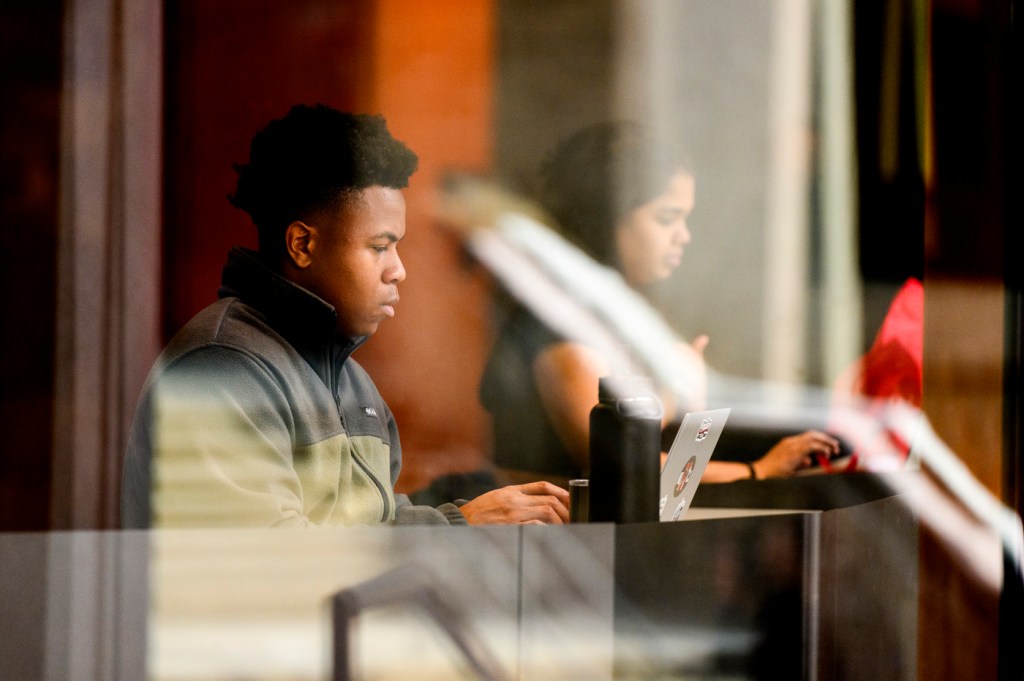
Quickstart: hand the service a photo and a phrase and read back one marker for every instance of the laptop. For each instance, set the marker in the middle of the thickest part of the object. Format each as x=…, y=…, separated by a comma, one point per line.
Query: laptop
x=687, y=459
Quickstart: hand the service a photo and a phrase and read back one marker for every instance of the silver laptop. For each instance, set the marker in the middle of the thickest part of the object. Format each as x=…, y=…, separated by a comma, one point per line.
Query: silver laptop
x=687, y=459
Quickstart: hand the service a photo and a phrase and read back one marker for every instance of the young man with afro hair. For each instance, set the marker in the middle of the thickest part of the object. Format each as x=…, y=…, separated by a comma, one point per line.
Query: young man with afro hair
x=256, y=414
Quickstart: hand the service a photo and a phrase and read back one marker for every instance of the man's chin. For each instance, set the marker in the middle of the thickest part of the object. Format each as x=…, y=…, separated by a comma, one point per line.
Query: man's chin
x=359, y=332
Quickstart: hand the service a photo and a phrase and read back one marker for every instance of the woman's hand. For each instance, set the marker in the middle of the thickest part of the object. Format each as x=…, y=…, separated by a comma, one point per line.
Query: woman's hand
x=692, y=356
x=792, y=453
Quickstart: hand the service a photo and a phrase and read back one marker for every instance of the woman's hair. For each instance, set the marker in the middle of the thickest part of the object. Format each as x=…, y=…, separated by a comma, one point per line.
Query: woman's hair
x=312, y=160
x=598, y=175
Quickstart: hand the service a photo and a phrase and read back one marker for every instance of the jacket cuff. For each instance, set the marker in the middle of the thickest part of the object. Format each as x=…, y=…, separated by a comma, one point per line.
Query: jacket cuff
x=452, y=513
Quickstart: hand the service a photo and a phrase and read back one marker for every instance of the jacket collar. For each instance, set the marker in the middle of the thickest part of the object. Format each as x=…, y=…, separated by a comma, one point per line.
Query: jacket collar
x=304, y=319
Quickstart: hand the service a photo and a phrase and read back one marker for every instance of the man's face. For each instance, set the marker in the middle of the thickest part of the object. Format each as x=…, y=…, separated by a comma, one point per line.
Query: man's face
x=354, y=259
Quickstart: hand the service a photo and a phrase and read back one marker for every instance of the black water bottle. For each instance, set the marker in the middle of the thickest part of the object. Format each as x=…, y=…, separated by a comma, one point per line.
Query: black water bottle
x=625, y=448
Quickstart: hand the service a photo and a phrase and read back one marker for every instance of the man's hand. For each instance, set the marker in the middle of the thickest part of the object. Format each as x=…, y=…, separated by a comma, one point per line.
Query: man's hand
x=794, y=452
x=535, y=503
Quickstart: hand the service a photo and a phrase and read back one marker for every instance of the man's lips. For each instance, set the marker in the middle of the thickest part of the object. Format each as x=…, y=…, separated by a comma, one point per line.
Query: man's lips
x=389, y=307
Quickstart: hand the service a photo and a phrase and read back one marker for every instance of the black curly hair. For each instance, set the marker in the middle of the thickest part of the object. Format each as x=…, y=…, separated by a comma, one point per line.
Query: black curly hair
x=599, y=174
x=312, y=160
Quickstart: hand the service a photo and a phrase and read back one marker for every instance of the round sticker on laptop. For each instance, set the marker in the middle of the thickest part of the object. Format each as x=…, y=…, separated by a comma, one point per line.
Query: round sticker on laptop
x=685, y=475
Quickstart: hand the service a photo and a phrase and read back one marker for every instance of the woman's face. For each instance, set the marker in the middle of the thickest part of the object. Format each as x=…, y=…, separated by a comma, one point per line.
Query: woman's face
x=650, y=239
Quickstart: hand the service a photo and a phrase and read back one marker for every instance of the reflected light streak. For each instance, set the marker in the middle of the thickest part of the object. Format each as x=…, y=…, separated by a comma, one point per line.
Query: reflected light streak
x=591, y=303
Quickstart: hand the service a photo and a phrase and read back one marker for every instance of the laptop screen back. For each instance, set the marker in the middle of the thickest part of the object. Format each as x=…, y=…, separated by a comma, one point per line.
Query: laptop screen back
x=687, y=459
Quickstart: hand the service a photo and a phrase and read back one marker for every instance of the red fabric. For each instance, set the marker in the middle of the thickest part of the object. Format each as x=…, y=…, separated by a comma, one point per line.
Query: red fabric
x=893, y=365
x=891, y=370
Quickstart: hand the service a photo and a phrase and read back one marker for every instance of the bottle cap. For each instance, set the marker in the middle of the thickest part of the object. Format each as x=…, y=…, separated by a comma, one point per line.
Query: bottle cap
x=619, y=386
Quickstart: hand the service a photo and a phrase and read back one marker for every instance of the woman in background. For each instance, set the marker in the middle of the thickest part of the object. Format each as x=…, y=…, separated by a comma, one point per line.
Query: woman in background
x=624, y=200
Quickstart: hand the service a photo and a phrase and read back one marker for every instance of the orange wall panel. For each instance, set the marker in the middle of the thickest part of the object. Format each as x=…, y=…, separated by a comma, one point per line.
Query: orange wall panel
x=433, y=68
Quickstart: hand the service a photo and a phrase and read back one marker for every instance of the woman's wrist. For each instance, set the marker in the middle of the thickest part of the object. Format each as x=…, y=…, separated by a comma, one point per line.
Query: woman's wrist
x=753, y=471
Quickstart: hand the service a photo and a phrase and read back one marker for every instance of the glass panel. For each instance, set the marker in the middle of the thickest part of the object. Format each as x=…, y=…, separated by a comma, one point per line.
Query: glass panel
x=792, y=209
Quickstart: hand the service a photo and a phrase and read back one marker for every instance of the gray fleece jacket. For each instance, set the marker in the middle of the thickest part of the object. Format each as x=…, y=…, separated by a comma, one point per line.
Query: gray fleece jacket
x=256, y=415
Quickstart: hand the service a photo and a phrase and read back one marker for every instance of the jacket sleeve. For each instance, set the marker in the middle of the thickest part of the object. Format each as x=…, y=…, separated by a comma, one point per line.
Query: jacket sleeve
x=221, y=446
x=446, y=514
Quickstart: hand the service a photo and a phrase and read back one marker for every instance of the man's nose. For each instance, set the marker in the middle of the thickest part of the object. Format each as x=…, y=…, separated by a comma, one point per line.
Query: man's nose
x=396, y=274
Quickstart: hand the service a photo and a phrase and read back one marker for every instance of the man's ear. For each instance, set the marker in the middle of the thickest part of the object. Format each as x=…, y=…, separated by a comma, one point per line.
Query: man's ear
x=299, y=242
